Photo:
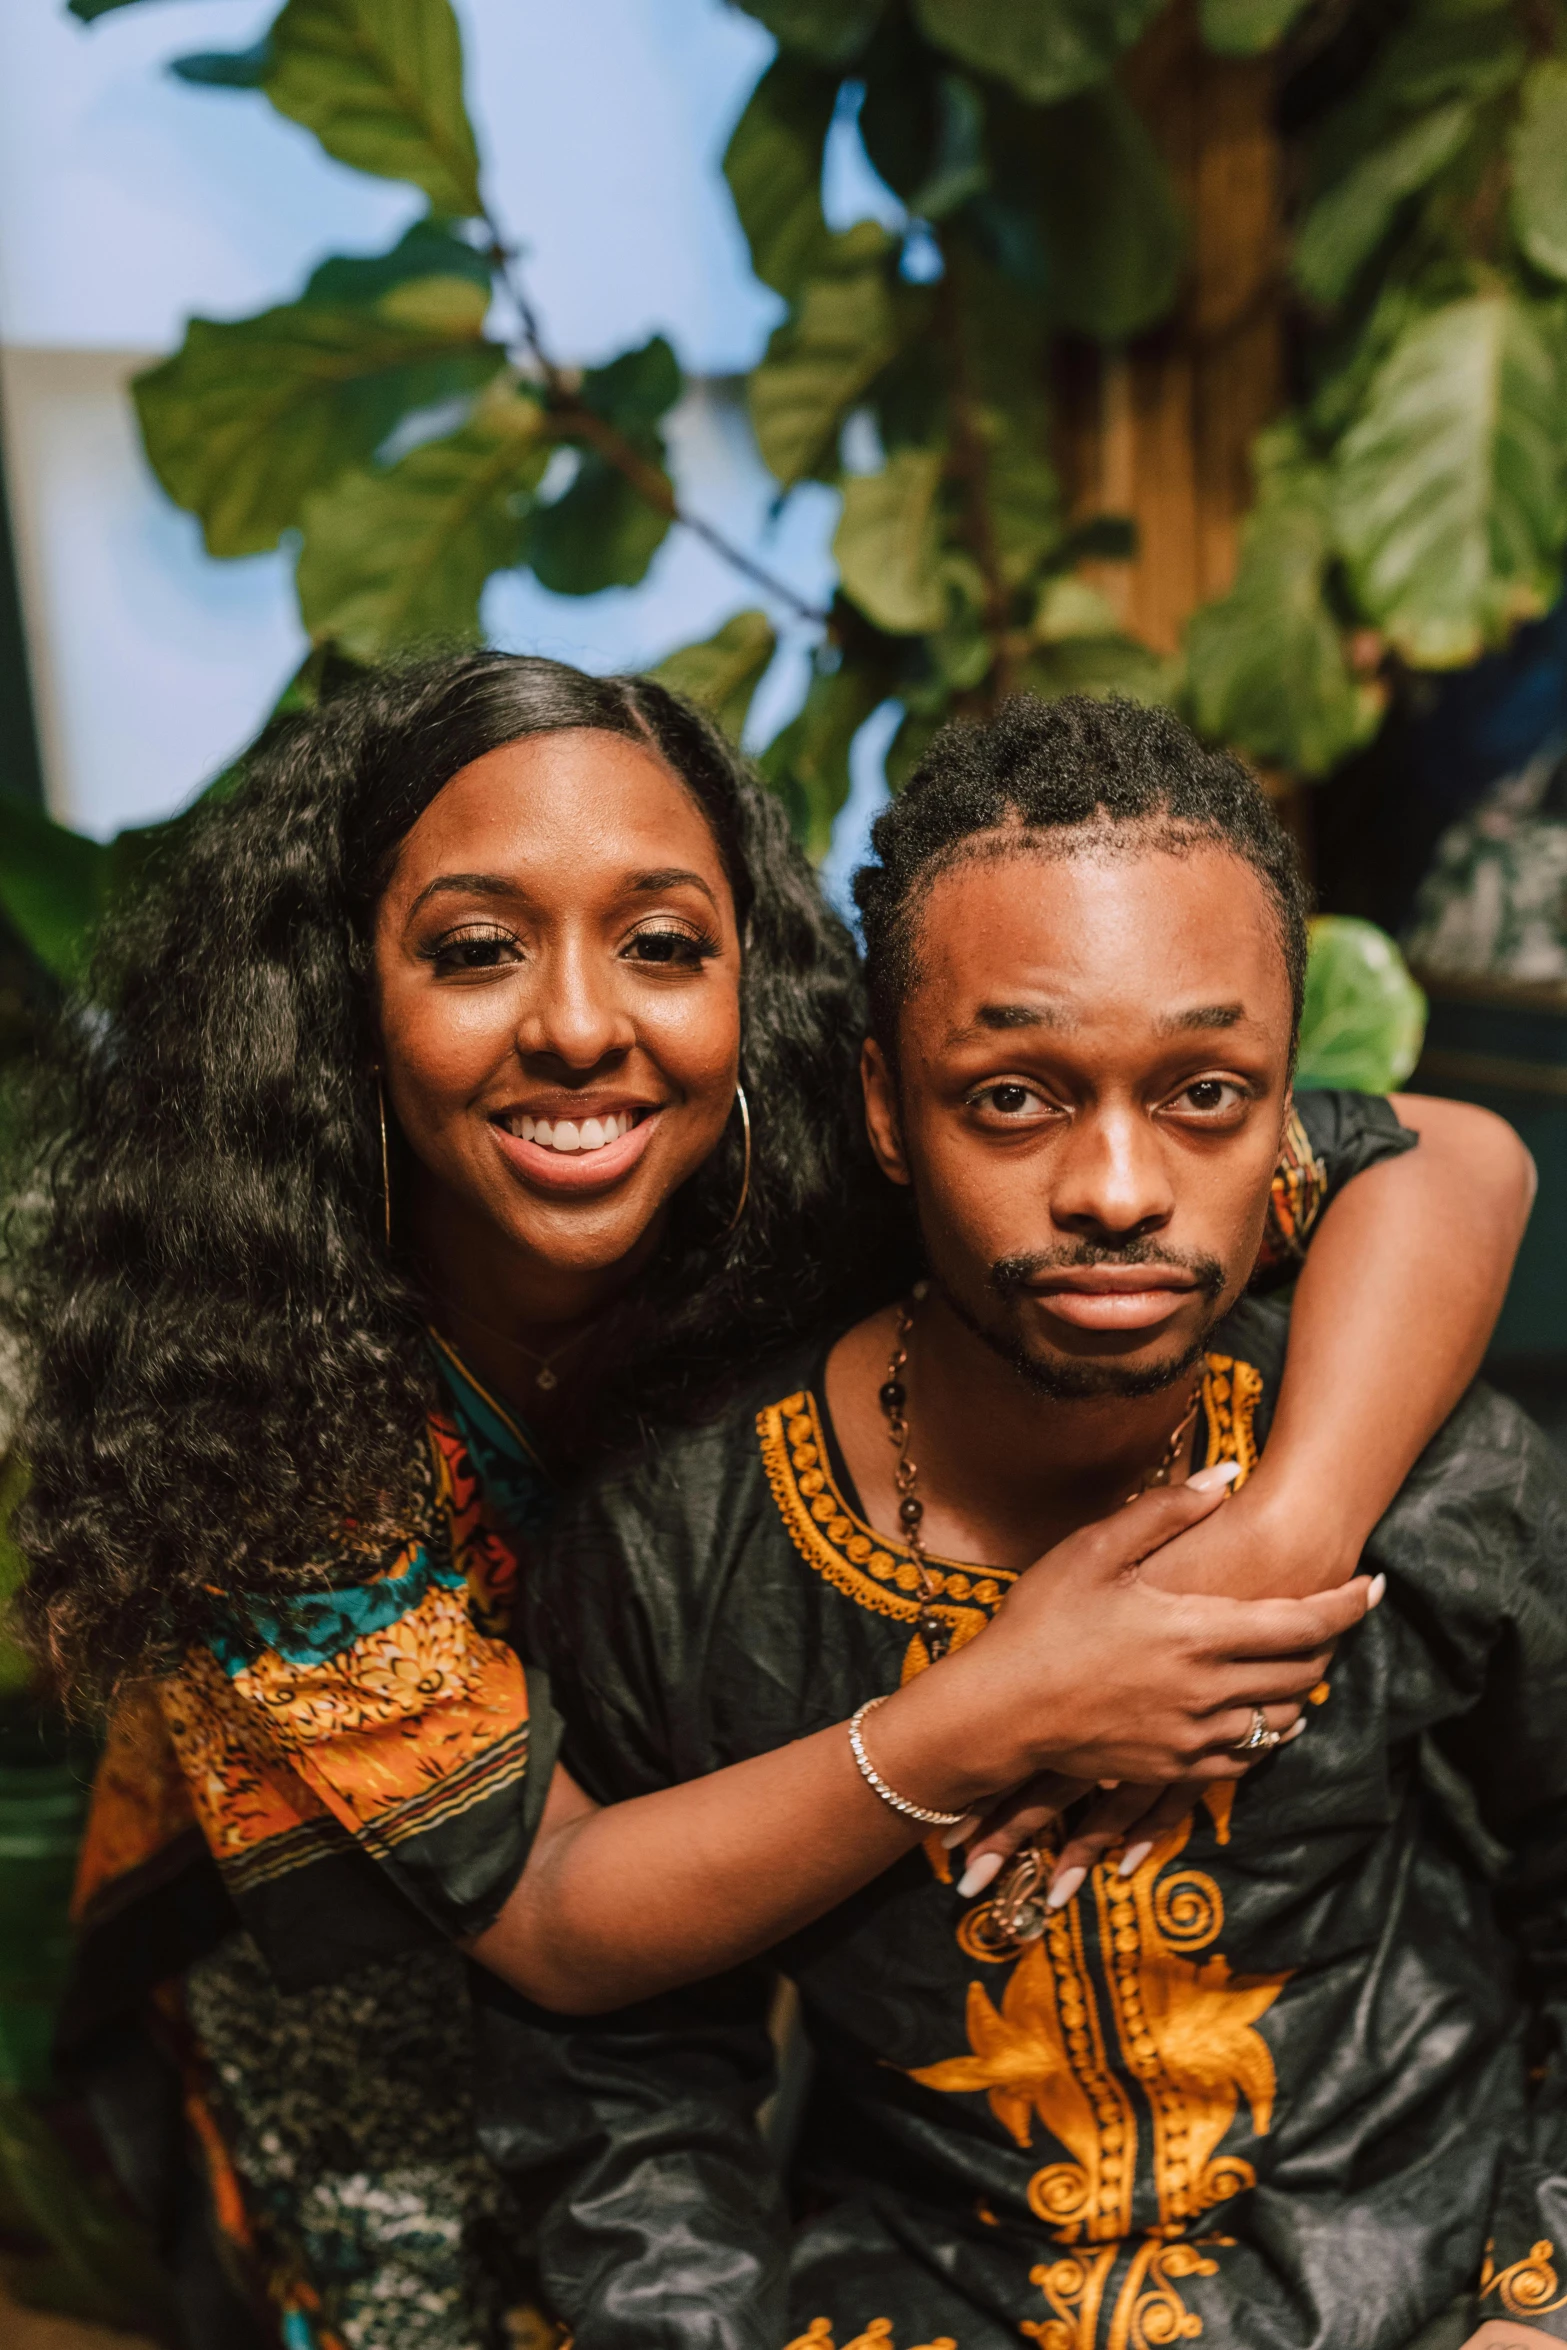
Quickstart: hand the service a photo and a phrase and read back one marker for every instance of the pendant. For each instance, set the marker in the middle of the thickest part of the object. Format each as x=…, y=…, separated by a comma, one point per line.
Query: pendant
x=546, y=1379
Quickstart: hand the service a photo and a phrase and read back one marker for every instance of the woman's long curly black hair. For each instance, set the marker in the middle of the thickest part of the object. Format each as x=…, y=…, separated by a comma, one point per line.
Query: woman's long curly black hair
x=228, y=1364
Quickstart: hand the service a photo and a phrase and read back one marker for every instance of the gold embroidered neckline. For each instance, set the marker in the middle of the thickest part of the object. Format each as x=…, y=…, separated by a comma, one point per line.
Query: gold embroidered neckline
x=879, y=1572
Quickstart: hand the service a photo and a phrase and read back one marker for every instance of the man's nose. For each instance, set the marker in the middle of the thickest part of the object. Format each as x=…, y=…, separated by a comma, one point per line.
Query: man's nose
x=1111, y=1179
x=575, y=1014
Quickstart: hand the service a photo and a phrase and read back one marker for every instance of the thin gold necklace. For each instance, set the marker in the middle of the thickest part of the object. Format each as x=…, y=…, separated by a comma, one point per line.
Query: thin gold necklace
x=544, y=1377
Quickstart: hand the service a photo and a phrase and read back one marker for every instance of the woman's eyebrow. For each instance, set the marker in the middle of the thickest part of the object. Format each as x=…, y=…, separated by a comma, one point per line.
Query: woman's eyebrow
x=483, y=885
x=649, y=885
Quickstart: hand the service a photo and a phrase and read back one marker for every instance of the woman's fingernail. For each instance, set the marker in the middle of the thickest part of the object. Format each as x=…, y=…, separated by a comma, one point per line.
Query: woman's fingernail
x=960, y=1831
x=978, y=1875
x=1110, y=1785
x=1212, y=1480
x=1064, y=1887
x=1133, y=1857
x=1293, y=1731
x=1374, y=1595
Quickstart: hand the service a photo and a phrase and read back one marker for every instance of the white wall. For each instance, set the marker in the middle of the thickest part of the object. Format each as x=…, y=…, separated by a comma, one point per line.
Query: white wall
x=130, y=200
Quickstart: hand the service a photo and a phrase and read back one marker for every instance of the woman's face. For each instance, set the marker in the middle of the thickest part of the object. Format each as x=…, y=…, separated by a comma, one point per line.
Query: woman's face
x=558, y=987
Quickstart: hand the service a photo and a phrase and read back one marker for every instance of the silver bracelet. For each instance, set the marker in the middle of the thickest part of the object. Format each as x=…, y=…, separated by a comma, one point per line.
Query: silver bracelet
x=873, y=1777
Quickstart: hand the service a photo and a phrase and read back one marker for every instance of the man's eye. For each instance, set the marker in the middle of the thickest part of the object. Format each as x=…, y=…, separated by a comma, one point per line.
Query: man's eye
x=671, y=946
x=473, y=950
x=1009, y=1101
x=1209, y=1097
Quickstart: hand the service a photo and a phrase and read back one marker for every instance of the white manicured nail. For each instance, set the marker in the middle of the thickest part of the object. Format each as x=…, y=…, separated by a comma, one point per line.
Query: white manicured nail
x=960, y=1831
x=1212, y=1480
x=1374, y=1595
x=1293, y=1731
x=1133, y=1857
x=1064, y=1887
x=978, y=1875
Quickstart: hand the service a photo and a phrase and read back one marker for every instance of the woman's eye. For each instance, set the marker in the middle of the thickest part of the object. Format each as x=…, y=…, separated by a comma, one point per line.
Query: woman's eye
x=671, y=946
x=473, y=950
x=1210, y=1097
x=1009, y=1101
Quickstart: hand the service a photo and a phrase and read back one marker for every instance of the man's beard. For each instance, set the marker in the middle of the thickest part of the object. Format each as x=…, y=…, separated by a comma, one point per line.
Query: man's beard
x=1078, y=1381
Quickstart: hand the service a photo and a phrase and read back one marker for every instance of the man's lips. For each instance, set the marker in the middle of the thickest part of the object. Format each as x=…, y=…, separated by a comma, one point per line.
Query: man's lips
x=1115, y=1297
x=544, y=1169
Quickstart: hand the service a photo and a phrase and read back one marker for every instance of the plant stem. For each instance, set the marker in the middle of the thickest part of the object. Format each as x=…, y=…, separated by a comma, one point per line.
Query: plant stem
x=649, y=481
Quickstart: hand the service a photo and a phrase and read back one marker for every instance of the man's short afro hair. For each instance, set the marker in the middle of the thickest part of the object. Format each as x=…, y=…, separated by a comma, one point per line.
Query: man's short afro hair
x=1054, y=768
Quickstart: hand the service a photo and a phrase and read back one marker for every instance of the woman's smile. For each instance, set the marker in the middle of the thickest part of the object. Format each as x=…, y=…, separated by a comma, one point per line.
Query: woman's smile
x=574, y=1155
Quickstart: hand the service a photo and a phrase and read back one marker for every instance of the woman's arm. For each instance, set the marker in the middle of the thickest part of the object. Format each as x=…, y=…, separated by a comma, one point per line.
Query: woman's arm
x=617, y=1904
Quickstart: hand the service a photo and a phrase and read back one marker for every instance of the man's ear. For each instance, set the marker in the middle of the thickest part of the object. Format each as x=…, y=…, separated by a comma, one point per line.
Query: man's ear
x=882, y=1121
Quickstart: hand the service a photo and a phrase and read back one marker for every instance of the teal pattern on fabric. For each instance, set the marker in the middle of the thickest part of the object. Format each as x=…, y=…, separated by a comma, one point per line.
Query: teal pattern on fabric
x=319, y=1625
x=513, y=1478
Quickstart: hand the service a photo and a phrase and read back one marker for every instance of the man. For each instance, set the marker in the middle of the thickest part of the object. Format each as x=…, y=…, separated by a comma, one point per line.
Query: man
x=1289, y=2076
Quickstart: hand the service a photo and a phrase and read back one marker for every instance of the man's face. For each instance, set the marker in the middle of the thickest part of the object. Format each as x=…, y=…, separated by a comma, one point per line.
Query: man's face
x=1091, y=1087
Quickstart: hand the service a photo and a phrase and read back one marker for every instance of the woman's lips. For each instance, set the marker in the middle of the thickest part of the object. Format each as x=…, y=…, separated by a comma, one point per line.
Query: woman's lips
x=1112, y=1307
x=545, y=1169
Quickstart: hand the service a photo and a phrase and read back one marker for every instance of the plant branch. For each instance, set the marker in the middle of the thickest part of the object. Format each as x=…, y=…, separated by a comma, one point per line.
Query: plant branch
x=649, y=481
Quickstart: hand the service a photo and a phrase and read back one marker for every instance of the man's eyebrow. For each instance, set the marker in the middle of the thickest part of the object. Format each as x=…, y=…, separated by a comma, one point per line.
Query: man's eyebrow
x=1202, y=1016
x=1021, y=1016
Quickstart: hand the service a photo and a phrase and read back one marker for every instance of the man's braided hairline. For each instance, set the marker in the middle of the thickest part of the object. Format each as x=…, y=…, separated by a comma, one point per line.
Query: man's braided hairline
x=1056, y=779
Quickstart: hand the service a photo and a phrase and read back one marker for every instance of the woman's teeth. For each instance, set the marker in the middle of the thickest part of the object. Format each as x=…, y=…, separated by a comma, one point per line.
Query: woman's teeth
x=570, y=1134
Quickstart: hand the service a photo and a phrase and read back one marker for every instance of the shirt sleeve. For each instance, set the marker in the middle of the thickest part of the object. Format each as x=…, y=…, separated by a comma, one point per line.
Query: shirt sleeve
x=1509, y=1753
x=1329, y=1139
x=366, y=1764
x=663, y=2224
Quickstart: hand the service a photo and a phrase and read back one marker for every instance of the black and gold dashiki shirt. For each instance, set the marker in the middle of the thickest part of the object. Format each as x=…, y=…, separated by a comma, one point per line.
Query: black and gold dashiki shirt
x=1293, y=2085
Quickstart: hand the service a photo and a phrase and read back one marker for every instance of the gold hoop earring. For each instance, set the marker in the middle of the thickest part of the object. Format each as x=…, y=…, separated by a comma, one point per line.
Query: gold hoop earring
x=386, y=1170
x=745, y=1168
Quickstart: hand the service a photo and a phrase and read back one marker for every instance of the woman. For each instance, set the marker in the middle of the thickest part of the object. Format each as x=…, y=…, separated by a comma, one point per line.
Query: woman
x=478, y=1090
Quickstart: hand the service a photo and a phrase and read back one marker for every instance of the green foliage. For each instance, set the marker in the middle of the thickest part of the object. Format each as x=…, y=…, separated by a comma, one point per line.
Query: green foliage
x=723, y=672
x=1245, y=28
x=380, y=84
x=773, y=164
x=1539, y=157
x=1266, y=665
x=1449, y=483
x=1364, y=1018
x=402, y=421
x=1046, y=49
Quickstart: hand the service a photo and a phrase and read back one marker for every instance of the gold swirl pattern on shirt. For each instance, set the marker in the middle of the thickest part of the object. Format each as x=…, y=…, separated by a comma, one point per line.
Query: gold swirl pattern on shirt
x=1149, y=2312
x=877, y=2336
x=1074, y=2287
x=1528, y=2287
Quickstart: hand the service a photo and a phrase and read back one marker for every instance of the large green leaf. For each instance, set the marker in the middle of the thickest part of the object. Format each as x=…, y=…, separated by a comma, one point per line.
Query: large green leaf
x=226, y=69
x=1083, y=213
x=808, y=763
x=886, y=543
x=379, y=82
x=1448, y=496
x=828, y=31
x=1046, y=49
x=399, y=558
x=249, y=418
x=635, y=390
x=821, y=361
x=1364, y=1019
x=1348, y=222
x=722, y=673
x=1540, y=167
x=601, y=533
x=1265, y=665
x=1245, y=28
x=773, y=165
x=1079, y=649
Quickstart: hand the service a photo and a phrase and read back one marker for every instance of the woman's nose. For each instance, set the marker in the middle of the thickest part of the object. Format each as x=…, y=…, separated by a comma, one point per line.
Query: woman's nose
x=576, y=1015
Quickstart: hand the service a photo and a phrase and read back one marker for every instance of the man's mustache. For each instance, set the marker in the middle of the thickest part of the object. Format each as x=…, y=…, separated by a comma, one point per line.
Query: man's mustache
x=1010, y=1277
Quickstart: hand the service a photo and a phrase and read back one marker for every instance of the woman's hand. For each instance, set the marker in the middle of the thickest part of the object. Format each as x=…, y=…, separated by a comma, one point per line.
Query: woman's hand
x=1090, y=1672
x=1505, y=2333
x=1266, y=1537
